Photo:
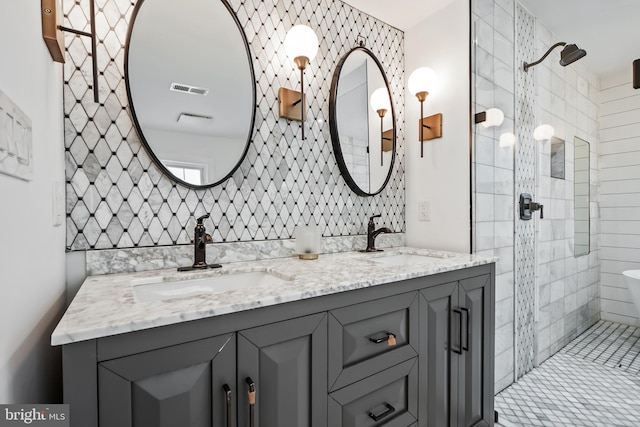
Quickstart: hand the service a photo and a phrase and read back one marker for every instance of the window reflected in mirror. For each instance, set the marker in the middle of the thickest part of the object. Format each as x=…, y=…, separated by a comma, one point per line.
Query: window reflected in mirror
x=581, y=198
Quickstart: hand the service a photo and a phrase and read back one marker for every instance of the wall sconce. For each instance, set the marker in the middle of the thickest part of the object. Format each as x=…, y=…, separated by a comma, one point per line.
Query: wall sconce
x=543, y=132
x=380, y=104
x=52, y=35
x=421, y=81
x=490, y=118
x=301, y=45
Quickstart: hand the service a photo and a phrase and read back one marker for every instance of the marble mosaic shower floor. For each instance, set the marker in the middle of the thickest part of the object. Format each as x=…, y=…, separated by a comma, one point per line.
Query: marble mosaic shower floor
x=593, y=381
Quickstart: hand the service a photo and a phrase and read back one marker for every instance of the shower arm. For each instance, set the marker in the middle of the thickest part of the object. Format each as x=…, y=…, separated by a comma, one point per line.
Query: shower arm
x=527, y=66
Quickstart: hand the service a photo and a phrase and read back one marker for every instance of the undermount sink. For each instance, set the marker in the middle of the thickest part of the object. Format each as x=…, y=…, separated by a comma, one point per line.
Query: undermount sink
x=404, y=259
x=159, y=288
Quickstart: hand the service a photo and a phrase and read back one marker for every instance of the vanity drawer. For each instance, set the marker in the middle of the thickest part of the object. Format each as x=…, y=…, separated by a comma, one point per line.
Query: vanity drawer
x=388, y=398
x=358, y=337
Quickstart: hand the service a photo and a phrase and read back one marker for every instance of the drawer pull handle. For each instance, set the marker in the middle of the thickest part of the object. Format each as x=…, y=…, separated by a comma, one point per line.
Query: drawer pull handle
x=388, y=337
x=227, y=399
x=390, y=410
x=252, y=400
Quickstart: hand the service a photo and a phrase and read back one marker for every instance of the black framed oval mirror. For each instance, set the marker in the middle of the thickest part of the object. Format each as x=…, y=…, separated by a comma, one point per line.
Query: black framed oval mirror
x=363, y=139
x=191, y=88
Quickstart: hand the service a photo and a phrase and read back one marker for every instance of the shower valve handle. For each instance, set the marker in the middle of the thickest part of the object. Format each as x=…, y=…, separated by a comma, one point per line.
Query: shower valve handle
x=533, y=206
x=528, y=207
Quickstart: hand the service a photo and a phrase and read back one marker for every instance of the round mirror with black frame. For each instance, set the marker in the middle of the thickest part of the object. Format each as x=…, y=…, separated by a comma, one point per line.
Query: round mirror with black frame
x=191, y=88
x=362, y=122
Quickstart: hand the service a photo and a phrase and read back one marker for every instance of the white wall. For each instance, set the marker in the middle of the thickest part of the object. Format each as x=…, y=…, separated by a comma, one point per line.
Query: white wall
x=441, y=177
x=32, y=273
x=619, y=194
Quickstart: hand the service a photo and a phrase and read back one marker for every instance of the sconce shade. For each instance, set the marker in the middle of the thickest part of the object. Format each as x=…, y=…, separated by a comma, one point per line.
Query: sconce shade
x=380, y=100
x=543, y=132
x=494, y=117
x=301, y=41
x=423, y=79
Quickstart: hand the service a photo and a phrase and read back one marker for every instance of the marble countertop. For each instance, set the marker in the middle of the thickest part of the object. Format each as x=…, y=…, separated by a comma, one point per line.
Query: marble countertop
x=107, y=305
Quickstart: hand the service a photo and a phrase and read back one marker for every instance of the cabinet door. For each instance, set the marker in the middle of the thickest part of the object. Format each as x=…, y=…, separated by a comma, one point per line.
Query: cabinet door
x=287, y=362
x=438, y=378
x=475, y=399
x=180, y=385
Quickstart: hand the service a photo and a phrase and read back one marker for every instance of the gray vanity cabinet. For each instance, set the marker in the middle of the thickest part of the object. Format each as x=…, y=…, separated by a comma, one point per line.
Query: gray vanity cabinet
x=417, y=352
x=287, y=362
x=456, y=352
x=181, y=385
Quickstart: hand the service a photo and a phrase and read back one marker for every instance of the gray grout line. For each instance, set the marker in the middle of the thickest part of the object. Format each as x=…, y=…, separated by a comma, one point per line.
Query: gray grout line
x=585, y=335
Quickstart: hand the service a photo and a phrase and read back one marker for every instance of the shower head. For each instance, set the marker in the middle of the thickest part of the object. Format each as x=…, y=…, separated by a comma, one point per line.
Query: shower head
x=570, y=54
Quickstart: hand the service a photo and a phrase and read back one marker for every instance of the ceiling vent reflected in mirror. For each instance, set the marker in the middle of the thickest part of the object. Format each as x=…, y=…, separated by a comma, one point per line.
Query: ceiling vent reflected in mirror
x=179, y=87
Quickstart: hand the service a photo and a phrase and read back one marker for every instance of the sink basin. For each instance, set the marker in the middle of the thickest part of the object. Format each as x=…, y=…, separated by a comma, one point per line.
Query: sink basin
x=404, y=259
x=158, y=288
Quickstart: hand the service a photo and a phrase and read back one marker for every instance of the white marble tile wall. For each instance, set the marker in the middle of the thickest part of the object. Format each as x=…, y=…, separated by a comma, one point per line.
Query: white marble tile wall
x=525, y=179
x=567, y=98
x=493, y=164
x=128, y=260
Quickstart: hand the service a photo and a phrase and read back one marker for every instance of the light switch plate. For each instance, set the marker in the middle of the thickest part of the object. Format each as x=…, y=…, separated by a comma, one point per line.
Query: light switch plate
x=58, y=203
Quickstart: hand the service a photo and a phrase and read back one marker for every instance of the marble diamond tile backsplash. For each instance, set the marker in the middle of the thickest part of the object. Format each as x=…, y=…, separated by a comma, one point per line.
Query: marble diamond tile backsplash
x=118, y=198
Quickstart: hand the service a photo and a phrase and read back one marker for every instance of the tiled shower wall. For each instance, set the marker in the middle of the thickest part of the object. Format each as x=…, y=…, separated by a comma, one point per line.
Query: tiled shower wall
x=525, y=182
x=117, y=197
x=565, y=288
x=568, y=298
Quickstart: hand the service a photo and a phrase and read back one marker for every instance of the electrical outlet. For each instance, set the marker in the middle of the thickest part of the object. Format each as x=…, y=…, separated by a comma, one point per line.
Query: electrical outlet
x=424, y=210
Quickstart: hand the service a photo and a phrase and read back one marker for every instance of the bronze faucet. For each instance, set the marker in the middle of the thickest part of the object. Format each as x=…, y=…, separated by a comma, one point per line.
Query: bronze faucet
x=372, y=233
x=200, y=241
